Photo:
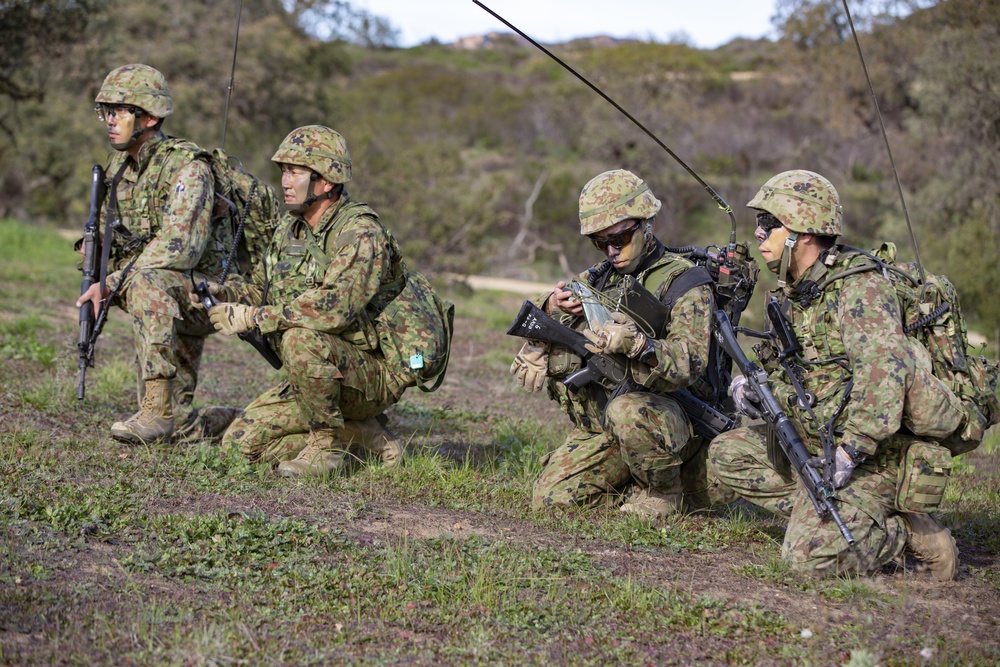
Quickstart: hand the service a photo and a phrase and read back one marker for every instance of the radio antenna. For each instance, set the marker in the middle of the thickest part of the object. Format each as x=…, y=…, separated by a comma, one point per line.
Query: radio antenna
x=715, y=195
x=232, y=75
x=888, y=149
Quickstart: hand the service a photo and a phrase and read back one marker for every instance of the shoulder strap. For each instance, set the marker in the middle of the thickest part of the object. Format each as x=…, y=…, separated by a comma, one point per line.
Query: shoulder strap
x=685, y=282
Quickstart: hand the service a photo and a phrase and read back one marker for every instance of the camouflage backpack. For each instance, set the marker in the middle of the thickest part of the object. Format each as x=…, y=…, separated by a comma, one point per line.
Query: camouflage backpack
x=242, y=201
x=932, y=315
x=412, y=324
x=249, y=206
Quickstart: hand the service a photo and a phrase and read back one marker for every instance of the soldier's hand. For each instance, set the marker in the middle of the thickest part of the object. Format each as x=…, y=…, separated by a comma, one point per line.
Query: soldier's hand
x=232, y=318
x=563, y=299
x=94, y=296
x=531, y=365
x=619, y=336
x=745, y=397
x=215, y=290
x=843, y=466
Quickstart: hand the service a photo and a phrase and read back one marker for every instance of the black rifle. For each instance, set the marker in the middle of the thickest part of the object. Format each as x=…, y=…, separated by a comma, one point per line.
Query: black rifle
x=820, y=490
x=532, y=322
x=90, y=329
x=90, y=268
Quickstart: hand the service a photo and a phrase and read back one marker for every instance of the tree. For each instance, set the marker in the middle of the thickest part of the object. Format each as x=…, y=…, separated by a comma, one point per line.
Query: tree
x=32, y=31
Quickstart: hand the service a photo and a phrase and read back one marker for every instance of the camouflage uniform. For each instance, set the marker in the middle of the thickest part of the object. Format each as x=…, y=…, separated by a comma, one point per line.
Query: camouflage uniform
x=857, y=363
x=324, y=287
x=646, y=439
x=164, y=230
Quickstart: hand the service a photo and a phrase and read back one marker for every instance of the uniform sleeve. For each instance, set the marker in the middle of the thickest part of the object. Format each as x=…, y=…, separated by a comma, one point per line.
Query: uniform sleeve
x=359, y=260
x=879, y=357
x=682, y=354
x=185, y=226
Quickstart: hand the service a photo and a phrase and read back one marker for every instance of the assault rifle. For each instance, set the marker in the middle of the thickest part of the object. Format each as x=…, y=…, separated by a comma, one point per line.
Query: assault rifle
x=807, y=467
x=90, y=259
x=90, y=328
x=534, y=323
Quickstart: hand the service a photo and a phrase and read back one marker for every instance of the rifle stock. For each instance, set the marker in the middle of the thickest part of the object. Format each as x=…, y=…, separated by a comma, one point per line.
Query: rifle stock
x=819, y=492
x=534, y=323
x=98, y=190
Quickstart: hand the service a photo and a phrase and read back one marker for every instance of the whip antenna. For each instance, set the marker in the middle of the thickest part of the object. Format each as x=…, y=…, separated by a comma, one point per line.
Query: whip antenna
x=718, y=199
x=888, y=149
x=232, y=75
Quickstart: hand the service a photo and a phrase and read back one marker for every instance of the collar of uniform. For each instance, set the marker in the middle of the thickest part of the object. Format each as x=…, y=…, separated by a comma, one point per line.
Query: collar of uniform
x=147, y=149
x=331, y=214
x=654, y=252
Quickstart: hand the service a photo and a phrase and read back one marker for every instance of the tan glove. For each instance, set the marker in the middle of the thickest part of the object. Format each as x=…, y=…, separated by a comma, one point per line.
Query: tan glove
x=215, y=290
x=531, y=365
x=620, y=336
x=232, y=318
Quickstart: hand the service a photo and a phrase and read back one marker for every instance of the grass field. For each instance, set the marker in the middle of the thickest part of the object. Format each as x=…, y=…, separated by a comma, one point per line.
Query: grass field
x=174, y=555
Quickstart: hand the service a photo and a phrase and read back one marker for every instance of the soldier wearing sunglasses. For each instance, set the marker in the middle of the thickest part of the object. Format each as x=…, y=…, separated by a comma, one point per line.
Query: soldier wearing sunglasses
x=158, y=236
x=631, y=446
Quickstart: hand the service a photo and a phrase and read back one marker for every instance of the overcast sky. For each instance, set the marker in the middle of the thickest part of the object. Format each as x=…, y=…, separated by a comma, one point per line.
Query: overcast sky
x=706, y=23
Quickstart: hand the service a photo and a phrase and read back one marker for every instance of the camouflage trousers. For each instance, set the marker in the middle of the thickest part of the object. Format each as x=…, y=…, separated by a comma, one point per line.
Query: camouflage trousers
x=646, y=441
x=168, y=333
x=329, y=380
x=738, y=460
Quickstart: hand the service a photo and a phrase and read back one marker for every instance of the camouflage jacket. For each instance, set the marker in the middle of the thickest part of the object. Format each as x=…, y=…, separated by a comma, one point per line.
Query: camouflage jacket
x=682, y=348
x=328, y=278
x=855, y=358
x=164, y=204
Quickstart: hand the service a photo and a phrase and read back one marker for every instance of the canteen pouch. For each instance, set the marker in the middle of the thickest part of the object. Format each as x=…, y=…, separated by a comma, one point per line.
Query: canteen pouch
x=923, y=474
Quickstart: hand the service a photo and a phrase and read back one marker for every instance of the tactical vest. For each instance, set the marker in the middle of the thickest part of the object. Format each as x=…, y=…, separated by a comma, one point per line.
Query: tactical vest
x=140, y=204
x=931, y=409
x=405, y=319
x=815, y=324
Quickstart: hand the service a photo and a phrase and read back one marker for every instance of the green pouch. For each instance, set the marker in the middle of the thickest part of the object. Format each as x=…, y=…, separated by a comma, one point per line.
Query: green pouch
x=923, y=474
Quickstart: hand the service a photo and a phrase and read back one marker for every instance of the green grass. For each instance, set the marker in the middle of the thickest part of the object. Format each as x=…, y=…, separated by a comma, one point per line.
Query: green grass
x=175, y=554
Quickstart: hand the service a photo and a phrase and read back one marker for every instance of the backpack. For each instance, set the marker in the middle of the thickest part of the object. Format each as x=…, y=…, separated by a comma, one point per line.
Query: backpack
x=932, y=315
x=250, y=207
x=412, y=324
x=415, y=330
x=733, y=276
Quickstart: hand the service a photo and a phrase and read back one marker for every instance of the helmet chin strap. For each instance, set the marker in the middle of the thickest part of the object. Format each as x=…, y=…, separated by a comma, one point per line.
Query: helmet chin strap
x=136, y=133
x=785, y=259
x=313, y=198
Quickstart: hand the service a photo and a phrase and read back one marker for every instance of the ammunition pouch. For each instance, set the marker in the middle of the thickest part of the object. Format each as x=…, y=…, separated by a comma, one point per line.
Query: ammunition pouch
x=924, y=470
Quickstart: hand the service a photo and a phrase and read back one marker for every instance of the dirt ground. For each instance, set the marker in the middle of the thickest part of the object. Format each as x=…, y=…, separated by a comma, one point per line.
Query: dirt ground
x=965, y=610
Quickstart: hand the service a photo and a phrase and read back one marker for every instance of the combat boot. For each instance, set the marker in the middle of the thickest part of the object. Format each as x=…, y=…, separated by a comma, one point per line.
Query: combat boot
x=322, y=455
x=931, y=543
x=653, y=503
x=374, y=435
x=155, y=419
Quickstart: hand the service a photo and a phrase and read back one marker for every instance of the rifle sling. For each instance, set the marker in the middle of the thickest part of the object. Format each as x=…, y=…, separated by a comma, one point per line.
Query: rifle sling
x=110, y=223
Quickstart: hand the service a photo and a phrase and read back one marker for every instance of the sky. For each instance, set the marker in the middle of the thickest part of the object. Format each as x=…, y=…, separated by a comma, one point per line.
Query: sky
x=706, y=23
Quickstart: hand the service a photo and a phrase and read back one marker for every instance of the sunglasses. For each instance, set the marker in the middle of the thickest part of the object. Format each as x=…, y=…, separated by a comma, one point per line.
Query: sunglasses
x=768, y=222
x=105, y=111
x=619, y=240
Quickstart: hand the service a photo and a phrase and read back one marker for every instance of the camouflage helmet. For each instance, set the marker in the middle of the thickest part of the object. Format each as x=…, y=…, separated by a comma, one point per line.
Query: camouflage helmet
x=138, y=85
x=612, y=197
x=803, y=201
x=318, y=148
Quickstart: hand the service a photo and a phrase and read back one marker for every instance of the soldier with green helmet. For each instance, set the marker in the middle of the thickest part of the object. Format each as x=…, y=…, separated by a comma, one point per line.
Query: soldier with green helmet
x=633, y=449
x=331, y=271
x=855, y=394
x=160, y=235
